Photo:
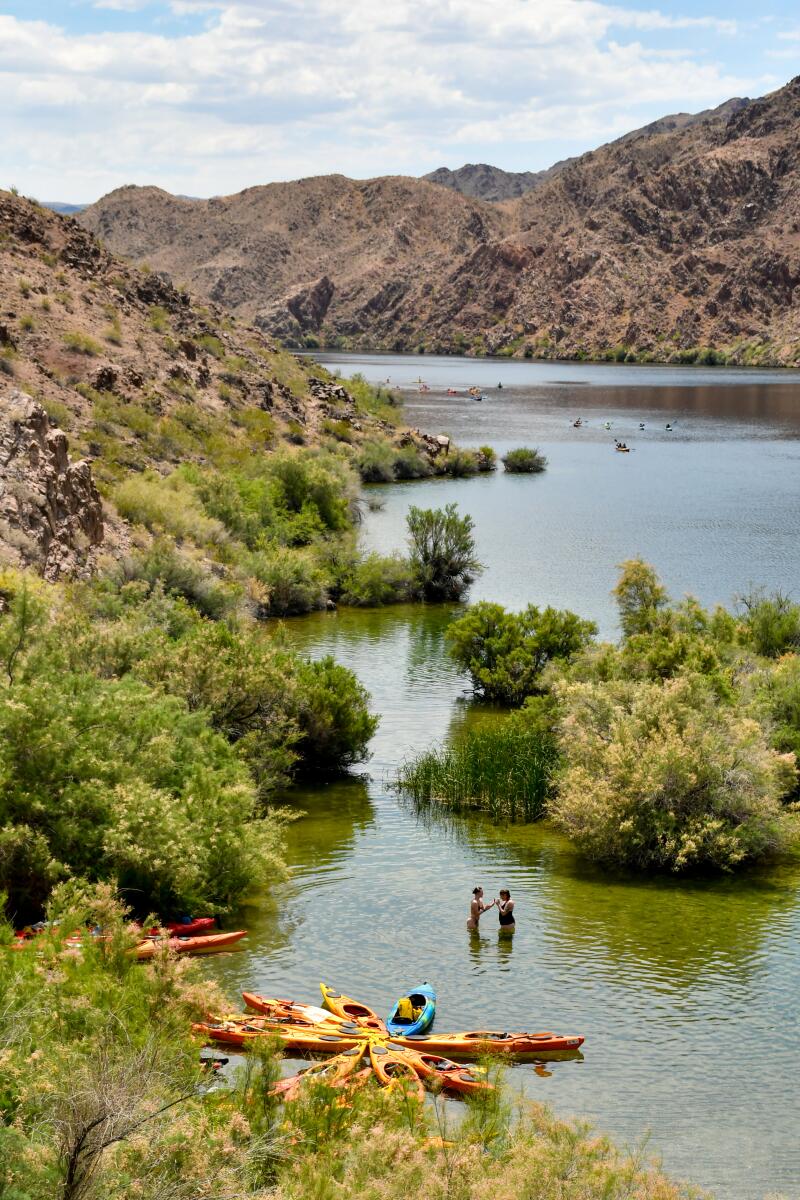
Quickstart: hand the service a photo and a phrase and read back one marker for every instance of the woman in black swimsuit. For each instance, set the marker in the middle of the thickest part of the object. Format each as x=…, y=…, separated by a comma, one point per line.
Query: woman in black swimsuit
x=505, y=909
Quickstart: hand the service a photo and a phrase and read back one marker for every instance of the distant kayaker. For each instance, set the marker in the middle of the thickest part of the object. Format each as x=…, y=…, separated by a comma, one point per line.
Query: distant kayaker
x=505, y=911
x=476, y=908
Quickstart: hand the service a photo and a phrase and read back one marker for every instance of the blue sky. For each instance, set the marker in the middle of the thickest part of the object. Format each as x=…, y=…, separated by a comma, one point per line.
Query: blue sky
x=207, y=96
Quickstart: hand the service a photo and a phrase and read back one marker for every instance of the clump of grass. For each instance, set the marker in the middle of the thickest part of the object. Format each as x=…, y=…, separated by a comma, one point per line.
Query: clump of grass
x=212, y=345
x=295, y=433
x=25, y=287
x=113, y=332
x=44, y=304
x=503, y=769
x=81, y=343
x=27, y=323
x=524, y=461
x=159, y=318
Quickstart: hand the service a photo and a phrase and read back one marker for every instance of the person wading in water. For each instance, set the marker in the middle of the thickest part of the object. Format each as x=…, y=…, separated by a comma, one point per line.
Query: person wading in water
x=476, y=908
x=505, y=911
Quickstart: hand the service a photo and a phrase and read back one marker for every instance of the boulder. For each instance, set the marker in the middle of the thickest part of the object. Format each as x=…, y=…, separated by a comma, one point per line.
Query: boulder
x=51, y=515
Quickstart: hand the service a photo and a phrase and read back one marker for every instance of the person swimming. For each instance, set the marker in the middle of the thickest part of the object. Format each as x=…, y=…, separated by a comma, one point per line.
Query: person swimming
x=476, y=908
x=505, y=911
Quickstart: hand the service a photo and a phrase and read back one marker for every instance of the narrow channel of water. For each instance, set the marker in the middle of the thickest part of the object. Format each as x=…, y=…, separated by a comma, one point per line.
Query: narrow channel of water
x=686, y=991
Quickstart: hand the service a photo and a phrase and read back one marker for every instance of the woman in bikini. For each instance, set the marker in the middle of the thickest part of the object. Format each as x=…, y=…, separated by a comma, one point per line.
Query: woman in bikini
x=505, y=911
x=476, y=908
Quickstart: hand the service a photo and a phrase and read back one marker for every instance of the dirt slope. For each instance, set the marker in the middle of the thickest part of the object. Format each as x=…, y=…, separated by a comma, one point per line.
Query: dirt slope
x=673, y=241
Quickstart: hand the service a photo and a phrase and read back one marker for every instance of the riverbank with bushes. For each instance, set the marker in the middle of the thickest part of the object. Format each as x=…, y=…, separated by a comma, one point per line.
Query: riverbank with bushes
x=674, y=750
x=103, y=1093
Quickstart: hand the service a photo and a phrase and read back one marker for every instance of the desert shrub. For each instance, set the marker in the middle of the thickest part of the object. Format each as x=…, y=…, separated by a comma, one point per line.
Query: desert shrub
x=489, y=456
x=378, y=579
x=167, y=505
x=524, y=461
x=410, y=464
x=212, y=345
x=158, y=318
x=295, y=433
x=505, y=653
x=771, y=623
x=443, y=559
x=125, y=783
x=291, y=580
x=661, y=776
x=164, y=566
x=113, y=332
x=27, y=323
x=81, y=343
x=333, y=717
x=376, y=462
x=641, y=597
x=461, y=463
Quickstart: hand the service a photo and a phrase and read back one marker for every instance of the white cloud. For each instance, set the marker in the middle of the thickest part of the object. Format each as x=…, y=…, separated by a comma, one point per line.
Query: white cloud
x=270, y=89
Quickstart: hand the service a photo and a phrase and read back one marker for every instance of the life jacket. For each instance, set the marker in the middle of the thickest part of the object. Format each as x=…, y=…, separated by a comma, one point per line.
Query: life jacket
x=405, y=1009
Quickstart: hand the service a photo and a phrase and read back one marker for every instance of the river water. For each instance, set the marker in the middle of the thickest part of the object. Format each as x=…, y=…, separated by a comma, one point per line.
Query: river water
x=686, y=991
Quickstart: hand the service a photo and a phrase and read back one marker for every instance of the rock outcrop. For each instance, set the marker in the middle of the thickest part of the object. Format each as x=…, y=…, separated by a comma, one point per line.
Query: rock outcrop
x=51, y=515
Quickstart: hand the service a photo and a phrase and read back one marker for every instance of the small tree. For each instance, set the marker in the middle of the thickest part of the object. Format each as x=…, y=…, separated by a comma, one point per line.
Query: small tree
x=640, y=596
x=772, y=623
x=505, y=652
x=443, y=557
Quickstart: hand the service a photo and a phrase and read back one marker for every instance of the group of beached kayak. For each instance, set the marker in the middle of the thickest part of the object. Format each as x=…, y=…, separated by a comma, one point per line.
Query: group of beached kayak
x=399, y=1052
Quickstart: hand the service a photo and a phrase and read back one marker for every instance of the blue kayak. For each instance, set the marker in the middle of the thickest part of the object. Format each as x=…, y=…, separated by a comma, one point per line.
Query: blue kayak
x=413, y=1012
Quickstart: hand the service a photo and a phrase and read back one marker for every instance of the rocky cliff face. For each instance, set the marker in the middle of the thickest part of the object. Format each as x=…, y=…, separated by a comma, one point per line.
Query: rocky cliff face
x=51, y=516
x=107, y=371
x=677, y=241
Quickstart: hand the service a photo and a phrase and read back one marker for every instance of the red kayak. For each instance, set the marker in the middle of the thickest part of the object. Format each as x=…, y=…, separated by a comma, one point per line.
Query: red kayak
x=185, y=928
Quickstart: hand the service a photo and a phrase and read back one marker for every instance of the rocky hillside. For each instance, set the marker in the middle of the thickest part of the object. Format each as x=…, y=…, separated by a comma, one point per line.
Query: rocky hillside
x=678, y=242
x=484, y=182
x=109, y=374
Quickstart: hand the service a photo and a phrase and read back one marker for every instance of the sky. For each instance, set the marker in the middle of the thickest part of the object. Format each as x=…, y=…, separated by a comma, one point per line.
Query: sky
x=207, y=97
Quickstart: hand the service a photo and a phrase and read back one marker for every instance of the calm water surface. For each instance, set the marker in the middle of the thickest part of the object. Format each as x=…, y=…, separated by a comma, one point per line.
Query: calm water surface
x=686, y=992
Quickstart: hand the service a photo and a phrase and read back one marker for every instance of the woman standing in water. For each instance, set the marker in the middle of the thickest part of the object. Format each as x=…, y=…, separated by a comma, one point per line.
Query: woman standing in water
x=505, y=911
x=476, y=908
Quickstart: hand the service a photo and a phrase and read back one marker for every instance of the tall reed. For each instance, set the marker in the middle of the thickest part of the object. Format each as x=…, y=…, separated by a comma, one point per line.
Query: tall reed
x=504, y=770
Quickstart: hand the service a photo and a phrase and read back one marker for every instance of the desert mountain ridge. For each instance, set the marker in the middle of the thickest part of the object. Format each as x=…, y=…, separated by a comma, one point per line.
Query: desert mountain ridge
x=676, y=242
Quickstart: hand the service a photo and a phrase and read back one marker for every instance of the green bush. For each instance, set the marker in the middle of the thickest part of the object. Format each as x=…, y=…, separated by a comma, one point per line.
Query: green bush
x=167, y=505
x=662, y=776
x=771, y=623
x=443, y=560
x=410, y=464
x=377, y=579
x=524, y=461
x=292, y=580
x=81, y=343
x=376, y=462
x=164, y=566
x=505, y=653
x=461, y=463
x=333, y=717
x=123, y=783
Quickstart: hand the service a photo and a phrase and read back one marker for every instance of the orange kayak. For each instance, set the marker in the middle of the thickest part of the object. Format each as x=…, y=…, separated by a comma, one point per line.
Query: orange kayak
x=208, y=943
x=395, y=1069
x=307, y=1038
x=273, y=1006
x=473, y=1043
x=336, y=1072
x=449, y=1075
x=350, y=1010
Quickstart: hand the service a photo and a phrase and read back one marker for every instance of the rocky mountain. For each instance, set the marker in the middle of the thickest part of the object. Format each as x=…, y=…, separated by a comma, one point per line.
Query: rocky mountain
x=677, y=242
x=108, y=372
x=484, y=182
